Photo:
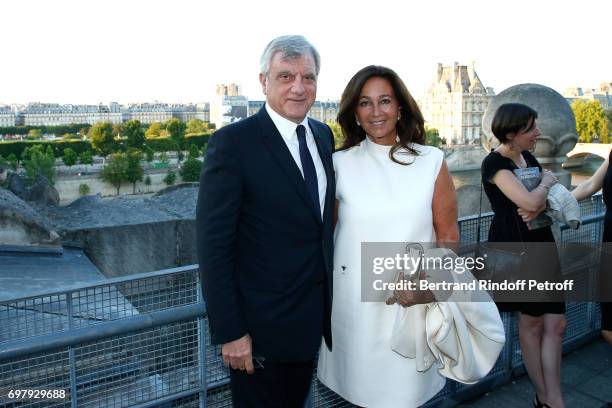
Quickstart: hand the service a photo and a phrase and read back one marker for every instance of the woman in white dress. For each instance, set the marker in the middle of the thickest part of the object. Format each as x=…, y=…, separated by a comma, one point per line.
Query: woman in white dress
x=390, y=187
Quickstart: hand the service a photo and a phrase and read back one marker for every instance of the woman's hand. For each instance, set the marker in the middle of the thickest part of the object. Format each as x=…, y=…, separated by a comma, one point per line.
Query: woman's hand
x=528, y=216
x=408, y=298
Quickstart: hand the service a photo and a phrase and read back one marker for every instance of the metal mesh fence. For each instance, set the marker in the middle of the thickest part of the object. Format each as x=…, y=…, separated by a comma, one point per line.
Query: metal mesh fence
x=164, y=362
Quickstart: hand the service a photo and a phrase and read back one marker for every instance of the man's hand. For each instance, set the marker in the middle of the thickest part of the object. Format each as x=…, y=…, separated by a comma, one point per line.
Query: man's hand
x=238, y=354
x=528, y=216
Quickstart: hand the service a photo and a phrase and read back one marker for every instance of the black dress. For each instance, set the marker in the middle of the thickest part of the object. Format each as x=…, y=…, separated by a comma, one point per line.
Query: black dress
x=606, y=260
x=507, y=226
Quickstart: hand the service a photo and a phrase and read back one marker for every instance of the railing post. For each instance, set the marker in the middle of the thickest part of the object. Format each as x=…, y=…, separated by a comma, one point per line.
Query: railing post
x=202, y=350
x=71, y=356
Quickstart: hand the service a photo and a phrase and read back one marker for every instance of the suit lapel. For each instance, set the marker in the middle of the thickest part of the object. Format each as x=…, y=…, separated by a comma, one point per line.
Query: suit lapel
x=325, y=152
x=277, y=146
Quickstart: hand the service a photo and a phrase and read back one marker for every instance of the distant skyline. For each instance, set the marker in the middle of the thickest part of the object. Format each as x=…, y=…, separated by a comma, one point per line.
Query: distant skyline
x=80, y=52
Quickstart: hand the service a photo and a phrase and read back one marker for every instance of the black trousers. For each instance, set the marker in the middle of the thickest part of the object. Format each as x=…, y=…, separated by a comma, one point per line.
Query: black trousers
x=276, y=385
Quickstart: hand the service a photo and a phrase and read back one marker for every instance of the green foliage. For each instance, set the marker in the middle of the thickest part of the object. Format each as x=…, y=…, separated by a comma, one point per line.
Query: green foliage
x=134, y=170
x=591, y=121
x=198, y=139
x=149, y=153
x=81, y=128
x=162, y=144
x=17, y=147
x=337, y=132
x=117, y=129
x=34, y=134
x=432, y=138
x=12, y=161
x=193, y=151
x=102, y=138
x=170, y=178
x=86, y=157
x=163, y=158
x=147, y=181
x=70, y=157
x=135, y=135
x=196, y=126
x=71, y=136
x=211, y=126
x=84, y=189
x=154, y=130
x=39, y=162
x=115, y=170
x=176, y=129
x=191, y=169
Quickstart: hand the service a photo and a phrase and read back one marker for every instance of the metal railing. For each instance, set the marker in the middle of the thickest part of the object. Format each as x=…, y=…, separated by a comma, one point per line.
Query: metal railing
x=142, y=340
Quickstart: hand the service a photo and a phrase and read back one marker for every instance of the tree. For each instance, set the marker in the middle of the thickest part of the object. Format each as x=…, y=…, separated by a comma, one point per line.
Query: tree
x=590, y=121
x=337, y=132
x=34, y=134
x=154, y=130
x=70, y=136
x=432, y=137
x=170, y=178
x=135, y=135
x=102, y=139
x=176, y=129
x=12, y=161
x=115, y=170
x=193, y=151
x=69, y=158
x=149, y=153
x=163, y=158
x=134, y=170
x=147, y=181
x=191, y=169
x=39, y=162
x=117, y=129
x=195, y=126
x=84, y=189
x=86, y=157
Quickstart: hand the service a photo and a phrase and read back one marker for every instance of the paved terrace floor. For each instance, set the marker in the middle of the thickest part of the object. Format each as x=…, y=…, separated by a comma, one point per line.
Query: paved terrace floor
x=586, y=375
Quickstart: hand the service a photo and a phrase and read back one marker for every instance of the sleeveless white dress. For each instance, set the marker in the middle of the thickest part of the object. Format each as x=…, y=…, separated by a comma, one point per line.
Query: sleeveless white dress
x=379, y=201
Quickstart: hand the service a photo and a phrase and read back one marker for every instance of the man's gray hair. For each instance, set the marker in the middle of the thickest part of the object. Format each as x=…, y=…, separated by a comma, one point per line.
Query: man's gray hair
x=290, y=47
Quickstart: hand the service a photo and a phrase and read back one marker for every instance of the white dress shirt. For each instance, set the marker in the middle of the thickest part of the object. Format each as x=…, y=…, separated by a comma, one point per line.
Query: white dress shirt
x=287, y=129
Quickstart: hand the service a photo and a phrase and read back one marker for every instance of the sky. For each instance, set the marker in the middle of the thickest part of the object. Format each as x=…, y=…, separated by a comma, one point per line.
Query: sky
x=86, y=51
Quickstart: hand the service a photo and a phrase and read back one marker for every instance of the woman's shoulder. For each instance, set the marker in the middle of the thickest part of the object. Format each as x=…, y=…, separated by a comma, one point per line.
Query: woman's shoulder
x=494, y=159
x=426, y=149
x=345, y=154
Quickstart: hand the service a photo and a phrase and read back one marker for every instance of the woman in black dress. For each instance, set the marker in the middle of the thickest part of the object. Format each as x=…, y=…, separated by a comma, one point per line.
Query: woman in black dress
x=602, y=178
x=541, y=325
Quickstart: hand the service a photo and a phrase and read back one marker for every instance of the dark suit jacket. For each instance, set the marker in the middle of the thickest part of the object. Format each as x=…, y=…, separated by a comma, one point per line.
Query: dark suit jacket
x=265, y=253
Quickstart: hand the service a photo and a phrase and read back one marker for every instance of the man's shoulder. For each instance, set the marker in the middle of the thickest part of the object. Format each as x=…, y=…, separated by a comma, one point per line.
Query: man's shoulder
x=318, y=124
x=237, y=130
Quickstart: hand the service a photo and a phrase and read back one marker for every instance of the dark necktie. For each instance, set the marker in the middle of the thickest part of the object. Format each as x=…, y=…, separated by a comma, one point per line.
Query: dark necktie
x=310, y=174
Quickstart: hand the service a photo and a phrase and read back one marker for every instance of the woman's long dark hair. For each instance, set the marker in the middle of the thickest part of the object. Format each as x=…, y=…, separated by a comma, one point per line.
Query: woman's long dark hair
x=410, y=127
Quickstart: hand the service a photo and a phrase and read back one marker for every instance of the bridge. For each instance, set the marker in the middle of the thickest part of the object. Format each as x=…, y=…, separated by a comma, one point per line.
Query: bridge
x=581, y=151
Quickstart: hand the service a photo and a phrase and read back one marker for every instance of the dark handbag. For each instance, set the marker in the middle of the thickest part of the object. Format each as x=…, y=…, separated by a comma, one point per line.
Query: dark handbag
x=502, y=261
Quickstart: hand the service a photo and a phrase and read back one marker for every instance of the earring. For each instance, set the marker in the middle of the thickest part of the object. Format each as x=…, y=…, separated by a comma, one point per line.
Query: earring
x=357, y=121
x=399, y=116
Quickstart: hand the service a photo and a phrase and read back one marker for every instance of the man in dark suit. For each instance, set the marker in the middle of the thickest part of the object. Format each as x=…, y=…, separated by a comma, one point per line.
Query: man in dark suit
x=264, y=232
